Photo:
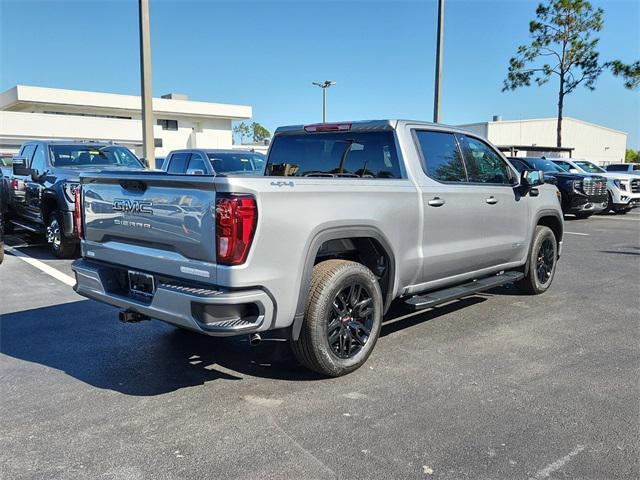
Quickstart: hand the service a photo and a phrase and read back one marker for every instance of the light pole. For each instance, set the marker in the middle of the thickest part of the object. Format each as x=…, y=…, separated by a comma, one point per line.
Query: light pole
x=148, y=143
x=324, y=86
x=436, y=95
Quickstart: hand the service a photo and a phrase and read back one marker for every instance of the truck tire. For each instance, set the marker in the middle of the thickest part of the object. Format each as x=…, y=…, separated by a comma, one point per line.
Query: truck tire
x=541, y=262
x=609, y=205
x=342, y=319
x=60, y=245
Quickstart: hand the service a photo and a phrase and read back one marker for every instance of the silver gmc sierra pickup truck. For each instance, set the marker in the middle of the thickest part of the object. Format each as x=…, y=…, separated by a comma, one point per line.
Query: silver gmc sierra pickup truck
x=346, y=218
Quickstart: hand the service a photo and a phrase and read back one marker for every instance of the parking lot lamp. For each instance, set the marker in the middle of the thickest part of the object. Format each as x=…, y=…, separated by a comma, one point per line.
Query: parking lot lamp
x=148, y=143
x=436, y=95
x=326, y=84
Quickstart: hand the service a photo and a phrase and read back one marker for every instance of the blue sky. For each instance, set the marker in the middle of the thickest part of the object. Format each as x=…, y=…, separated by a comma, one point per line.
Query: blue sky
x=266, y=54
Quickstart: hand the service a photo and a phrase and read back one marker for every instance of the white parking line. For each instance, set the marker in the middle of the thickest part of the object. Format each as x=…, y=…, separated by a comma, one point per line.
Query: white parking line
x=577, y=233
x=52, y=272
x=552, y=467
x=615, y=218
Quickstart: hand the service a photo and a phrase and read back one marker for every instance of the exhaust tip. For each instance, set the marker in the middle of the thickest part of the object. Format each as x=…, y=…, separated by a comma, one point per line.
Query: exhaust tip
x=255, y=339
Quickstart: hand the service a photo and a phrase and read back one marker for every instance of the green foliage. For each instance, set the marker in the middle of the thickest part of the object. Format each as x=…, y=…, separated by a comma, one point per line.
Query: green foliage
x=254, y=132
x=632, y=156
x=561, y=44
x=259, y=132
x=629, y=73
x=243, y=131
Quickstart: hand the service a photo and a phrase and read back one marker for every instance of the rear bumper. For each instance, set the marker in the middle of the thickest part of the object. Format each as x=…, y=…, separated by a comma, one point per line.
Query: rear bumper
x=210, y=311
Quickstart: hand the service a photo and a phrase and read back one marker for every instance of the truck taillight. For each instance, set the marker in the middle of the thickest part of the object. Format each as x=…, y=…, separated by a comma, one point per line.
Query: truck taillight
x=77, y=212
x=236, y=219
x=14, y=184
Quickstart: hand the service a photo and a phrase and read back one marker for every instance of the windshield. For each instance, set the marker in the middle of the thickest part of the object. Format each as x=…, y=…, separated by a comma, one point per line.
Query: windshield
x=589, y=167
x=546, y=165
x=73, y=156
x=240, y=162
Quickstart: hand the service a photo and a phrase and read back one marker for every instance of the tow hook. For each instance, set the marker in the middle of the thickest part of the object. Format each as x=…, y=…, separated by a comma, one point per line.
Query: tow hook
x=255, y=339
x=129, y=316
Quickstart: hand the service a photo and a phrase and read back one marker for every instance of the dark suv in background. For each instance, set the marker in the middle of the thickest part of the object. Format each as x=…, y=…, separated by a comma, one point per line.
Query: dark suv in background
x=582, y=194
x=43, y=182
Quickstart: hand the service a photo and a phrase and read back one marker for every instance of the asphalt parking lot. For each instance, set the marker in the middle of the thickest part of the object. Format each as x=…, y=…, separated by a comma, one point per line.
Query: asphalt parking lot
x=496, y=386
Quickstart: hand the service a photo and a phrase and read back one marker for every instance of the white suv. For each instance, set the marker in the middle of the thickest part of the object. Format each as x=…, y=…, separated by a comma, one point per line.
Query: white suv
x=623, y=188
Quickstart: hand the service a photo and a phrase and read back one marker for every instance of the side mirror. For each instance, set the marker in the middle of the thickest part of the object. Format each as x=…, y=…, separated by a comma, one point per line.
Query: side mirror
x=20, y=166
x=532, y=178
x=35, y=175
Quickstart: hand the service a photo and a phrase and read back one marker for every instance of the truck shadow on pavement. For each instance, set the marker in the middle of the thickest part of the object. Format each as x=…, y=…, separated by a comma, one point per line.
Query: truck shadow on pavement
x=85, y=340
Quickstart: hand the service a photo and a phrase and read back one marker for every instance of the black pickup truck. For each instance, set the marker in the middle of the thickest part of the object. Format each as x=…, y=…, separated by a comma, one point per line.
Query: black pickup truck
x=582, y=194
x=42, y=185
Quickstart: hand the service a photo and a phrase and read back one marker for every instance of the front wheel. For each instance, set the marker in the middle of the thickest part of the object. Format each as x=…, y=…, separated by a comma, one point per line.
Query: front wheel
x=60, y=245
x=541, y=262
x=342, y=318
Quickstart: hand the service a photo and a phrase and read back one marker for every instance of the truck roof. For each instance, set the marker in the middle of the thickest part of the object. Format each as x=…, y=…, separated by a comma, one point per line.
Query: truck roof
x=70, y=142
x=216, y=150
x=371, y=126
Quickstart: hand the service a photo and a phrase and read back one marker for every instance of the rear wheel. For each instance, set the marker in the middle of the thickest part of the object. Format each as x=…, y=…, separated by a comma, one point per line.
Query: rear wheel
x=541, y=262
x=60, y=246
x=342, y=319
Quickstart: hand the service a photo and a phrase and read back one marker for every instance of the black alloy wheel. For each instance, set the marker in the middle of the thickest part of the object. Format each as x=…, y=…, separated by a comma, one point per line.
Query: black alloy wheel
x=545, y=261
x=350, y=321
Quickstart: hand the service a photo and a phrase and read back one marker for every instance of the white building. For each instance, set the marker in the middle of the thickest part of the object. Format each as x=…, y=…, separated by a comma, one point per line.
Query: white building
x=581, y=139
x=51, y=113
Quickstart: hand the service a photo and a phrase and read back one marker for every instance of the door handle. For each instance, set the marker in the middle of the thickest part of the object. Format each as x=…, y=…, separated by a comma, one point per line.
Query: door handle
x=436, y=202
x=491, y=200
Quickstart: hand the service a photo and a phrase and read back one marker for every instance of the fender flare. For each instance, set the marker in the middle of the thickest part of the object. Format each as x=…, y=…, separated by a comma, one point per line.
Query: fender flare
x=539, y=215
x=334, y=233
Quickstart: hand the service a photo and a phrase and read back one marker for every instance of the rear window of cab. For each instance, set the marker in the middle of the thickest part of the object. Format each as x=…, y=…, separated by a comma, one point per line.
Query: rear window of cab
x=344, y=154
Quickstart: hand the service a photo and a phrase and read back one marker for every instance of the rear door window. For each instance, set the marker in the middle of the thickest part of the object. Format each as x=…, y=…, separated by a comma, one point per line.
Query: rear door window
x=484, y=165
x=197, y=163
x=441, y=156
x=346, y=154
x=178, y=162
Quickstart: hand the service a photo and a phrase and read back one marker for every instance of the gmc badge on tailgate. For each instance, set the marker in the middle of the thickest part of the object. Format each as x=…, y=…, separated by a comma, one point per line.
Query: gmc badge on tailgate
x=132, y=206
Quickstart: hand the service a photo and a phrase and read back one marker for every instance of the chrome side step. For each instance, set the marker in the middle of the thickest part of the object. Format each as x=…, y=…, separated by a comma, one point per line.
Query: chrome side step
x=27, y=227
x=437, y=297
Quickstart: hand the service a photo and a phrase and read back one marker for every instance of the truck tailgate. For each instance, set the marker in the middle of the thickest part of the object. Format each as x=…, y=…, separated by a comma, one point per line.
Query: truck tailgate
x=151, y=221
